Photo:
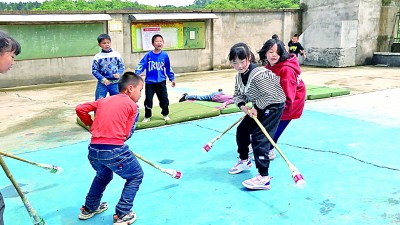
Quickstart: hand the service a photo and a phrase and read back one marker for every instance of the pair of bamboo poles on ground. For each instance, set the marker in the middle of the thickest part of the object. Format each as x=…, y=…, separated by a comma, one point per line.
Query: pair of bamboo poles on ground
x=35, y=218
x=296, y=175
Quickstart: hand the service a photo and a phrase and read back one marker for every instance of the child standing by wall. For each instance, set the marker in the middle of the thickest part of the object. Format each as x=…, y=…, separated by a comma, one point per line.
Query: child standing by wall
x=260, y=87
x=158, y=67
x=287, y=67
x=9, y=48
x=295, y=47
x=107, y=67
x=115, y=121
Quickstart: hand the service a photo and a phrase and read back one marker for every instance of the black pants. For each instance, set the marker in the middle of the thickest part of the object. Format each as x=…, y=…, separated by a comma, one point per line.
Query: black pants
x=2, y=206
x=260, y=143
x=160, y=89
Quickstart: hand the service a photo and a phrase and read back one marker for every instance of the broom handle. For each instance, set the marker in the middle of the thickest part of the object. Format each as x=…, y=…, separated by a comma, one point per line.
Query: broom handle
x=18, y=158
x=230, y=127
x=9, y=175
x=148, y=162
x=273, y=142
x=37, y=220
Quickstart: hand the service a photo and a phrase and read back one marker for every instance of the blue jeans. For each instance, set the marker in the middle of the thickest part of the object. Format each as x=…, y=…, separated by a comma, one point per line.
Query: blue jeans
x=202, y=97
x=281, y=127
x=102, y=90
x=106, y=159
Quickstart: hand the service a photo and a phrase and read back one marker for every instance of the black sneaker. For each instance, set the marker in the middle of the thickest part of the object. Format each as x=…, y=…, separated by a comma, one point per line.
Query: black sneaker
x=183, y=98
x=220, y=90
x=86, y=214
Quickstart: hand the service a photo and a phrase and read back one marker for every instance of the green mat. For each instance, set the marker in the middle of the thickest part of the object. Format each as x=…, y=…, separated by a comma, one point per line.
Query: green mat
x=231, y=108
x=318, y=92
x=186, y=111
x=179, y=112
x=193, y=110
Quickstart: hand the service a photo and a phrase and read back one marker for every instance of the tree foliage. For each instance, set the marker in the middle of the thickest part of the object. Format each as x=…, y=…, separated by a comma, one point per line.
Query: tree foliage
x=202, y=3
x=89, y=5
x=18, y=6
x=253, y=4
x=57, y=5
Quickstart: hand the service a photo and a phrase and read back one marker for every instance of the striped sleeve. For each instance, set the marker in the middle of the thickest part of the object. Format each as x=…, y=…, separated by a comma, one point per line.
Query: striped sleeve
x=266, y=89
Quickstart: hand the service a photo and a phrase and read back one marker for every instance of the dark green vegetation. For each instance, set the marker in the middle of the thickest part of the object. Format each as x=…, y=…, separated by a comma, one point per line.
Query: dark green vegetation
x=65, y=5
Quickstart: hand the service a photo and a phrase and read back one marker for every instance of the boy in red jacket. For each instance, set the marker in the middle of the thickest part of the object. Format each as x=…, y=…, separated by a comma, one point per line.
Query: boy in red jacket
x=114, y=123
x=287, y=67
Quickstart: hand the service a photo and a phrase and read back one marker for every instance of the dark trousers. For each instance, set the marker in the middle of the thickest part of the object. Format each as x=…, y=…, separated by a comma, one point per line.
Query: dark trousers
x=2, y=206
x=160, y=89
x=281, y=127
x=259, y=142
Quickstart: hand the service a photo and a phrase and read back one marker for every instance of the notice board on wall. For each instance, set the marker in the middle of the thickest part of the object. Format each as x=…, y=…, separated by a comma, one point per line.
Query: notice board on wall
x=194, y=35
x=55, y=40
x=176, y=35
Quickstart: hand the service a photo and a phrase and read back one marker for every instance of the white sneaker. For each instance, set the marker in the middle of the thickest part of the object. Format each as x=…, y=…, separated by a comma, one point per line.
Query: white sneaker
x=240, y=166
x=126, y=219
x=258, y=183
x=86, y=214
x=145, y=120
x=166, y=118
x=271, y=154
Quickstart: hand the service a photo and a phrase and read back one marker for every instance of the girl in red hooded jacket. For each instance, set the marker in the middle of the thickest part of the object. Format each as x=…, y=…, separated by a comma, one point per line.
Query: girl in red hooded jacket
x=287, y=67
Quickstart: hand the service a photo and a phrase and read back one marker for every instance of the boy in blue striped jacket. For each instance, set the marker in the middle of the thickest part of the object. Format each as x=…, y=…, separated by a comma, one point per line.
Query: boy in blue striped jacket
x=107, y=67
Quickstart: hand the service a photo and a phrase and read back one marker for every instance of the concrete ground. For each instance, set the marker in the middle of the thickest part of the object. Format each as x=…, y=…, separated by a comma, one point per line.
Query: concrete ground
x=345, y=148
x=43, y=116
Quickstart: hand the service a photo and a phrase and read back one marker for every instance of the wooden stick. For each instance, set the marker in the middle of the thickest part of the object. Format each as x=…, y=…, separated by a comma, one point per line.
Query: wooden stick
x=36, y=219
x=51, y=168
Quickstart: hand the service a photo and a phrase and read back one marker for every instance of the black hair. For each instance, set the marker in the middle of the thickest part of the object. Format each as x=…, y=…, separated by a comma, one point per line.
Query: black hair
x=156, y=36
x=295, y=35
x=275, y=36
x=284, y=55
x=9, y=44
x=240, y=51
x=253, y=58
x=127, y=79
x=101, y=37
